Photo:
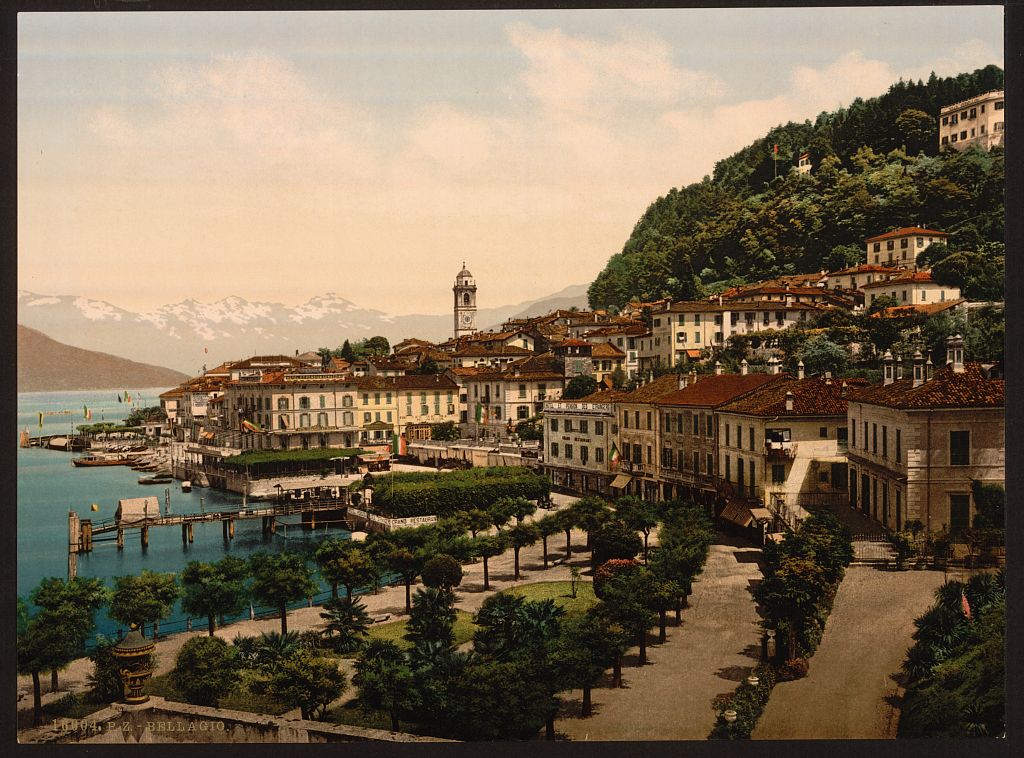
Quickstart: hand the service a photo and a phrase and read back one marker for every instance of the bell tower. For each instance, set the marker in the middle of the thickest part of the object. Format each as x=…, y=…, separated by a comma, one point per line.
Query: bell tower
x=465, y=303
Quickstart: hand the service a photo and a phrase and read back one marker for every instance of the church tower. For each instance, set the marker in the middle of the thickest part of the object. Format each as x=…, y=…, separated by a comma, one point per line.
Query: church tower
x=465, y=303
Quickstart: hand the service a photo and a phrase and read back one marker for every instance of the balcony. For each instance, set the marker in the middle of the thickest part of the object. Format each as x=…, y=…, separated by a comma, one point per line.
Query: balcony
x=629, y=467
x=780, y=451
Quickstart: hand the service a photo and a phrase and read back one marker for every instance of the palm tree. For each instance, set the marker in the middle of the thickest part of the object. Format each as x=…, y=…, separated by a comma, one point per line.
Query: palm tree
x=273, y=647
x=348, y=620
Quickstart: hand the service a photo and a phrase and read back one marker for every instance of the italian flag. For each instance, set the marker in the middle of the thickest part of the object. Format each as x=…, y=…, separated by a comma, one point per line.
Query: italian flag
x=251, y=427
x=479, y=413
x=399, y=446
x=613, y=456
x=86, y=413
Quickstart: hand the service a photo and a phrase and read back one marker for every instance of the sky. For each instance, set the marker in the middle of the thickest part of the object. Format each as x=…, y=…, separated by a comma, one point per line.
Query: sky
x=280, y=156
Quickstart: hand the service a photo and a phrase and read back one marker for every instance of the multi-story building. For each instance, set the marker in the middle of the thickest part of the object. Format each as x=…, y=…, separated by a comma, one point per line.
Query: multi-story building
x=856, y=277
x=626, y=337
x=918, y=443
x=976, y=121
x=639, y=432
x=900, y=247
x=496, y=356
x=424, y=400
x=575, y=355
x=377, y=409
x=685, y=329
x=911, y=288
x=690, y=437
x=260, y=364
x=605, y=360
x=497, y=399
x=784, y=444
x=578, y=436
x=291, y=410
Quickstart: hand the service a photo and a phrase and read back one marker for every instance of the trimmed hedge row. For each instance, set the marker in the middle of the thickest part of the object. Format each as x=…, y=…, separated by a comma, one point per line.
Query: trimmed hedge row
x=748, y=701
x=442, y=494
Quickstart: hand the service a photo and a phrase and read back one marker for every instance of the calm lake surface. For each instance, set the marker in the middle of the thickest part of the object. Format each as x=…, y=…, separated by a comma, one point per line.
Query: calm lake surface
x=49, y=486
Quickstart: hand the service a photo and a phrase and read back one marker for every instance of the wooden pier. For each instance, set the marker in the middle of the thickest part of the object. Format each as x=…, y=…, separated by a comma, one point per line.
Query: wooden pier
x=82, y=533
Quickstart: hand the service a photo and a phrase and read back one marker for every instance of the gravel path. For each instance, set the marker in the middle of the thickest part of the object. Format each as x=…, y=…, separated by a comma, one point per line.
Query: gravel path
x=717, y=646
x=850, y=692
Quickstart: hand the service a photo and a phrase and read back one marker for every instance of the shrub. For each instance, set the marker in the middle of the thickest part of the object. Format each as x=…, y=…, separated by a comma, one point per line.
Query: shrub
x=748, y=701
x=206, y=669
x=442, y=494
x=793, y=669
x=442, y=572
x=105, y=685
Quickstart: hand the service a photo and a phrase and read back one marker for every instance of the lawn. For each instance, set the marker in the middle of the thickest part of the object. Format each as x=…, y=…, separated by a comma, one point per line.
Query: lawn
x=395, y=631
x=560, y=592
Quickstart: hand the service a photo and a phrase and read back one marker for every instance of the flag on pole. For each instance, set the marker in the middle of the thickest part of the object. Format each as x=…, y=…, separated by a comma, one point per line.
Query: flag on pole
x=479, y=413
x=775, y=148
x=127, y=397
x=87, y=413
x=119, y=399
x=249, y=426
x=40, y=419
x=965, y=605
x=613, y=456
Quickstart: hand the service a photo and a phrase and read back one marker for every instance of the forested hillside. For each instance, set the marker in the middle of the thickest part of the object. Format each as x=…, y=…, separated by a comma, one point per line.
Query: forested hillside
x=875, y=167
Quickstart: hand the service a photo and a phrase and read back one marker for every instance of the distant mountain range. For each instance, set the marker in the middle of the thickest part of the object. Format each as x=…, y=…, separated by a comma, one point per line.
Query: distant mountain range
x=45, y=365
x=189, y=334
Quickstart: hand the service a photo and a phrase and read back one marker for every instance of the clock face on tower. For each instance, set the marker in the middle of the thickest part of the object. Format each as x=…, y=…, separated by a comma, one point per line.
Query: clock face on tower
x=467, y=318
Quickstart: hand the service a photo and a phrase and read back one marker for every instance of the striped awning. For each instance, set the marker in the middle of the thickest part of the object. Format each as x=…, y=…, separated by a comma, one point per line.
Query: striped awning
x=737, y=513
x=620, y=481
x=761, y=514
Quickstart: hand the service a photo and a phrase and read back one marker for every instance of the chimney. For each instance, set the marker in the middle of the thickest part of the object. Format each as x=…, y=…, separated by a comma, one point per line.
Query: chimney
x=842, y=390
x=693, y=376
x=744, y=367
x=800, y=370
x=918, y=369
x=682, y=380
x=789, y=401
x=929, y=369
x=718, y=368
x=955, y=353
x=719, y=298
x=887, y=377
x=899, y=367
x=773, y=365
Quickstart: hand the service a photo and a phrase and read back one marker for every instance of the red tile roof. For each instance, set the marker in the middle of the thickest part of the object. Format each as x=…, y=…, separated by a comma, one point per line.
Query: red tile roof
x=867, y=268
x=479, y=351
x=906, y=231
x=925, y=309
x=650, y=392
x=916, y=277
x=713, y=390
x=606, y=350
x=814, y=396
x=946, y=389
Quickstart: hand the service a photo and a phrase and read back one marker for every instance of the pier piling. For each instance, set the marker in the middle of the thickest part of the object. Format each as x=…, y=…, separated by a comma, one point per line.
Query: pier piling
x=231, y=528
x=191, y=535
x=145, y=536
x=120, y=539
x=184, y=534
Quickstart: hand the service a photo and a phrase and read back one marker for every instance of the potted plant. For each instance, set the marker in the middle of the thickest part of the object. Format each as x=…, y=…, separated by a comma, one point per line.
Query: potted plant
x=940, y=550
x=902, y=545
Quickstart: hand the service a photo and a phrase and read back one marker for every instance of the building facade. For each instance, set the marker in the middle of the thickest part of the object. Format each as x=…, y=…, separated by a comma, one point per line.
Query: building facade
x=912, y=288
x=579, y=436
x=918, y=443
x=900, y=247
x=978, y=121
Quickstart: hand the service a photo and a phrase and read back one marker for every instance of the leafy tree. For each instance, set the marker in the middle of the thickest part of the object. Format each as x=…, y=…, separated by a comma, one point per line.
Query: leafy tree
x=269, y=649
x=613, y=539
x=990, y=501
x=327, y=555
x=205, y=670
x=354, y=568
x=478, y=520
x=325, y=357
x=790, y=595
x=105, y=685
x=520, y=536
x=89, y=595
x=882, y=302
x=566, y=521
x=308, y=681
x=376, y=346
x=214, y=589
x=579, y=386
x=51, y=639
x=429, y=367
x=618, y=378
x=820, y=354
x=280, y=579
x=518, y=507
x=639, y=515
x=548, y=527
x=447, y=431
x=143, y=599
x=488, y=547
x=917, y=128
x=442, y=572
x=530, y=429
x=624, y=586
x=499, y=700
x=347, y=353
x=347, y=622
x=588, y=513
x=432, y=618
x=386, y=681
x=585, y=647
x=408, y=565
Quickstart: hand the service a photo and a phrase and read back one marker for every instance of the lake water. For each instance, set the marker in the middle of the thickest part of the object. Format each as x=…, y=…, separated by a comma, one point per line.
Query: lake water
x=49, y=486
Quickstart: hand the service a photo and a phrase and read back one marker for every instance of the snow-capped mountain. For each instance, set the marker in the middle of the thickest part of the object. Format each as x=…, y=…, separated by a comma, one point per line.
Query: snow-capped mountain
x=189, y=334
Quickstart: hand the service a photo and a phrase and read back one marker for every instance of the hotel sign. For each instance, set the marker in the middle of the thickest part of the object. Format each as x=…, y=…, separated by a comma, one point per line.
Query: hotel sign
x=562, y=406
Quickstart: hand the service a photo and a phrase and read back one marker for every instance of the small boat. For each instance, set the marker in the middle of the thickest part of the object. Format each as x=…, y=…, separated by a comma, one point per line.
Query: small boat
x=94, y=460
x=186, y=486
x=156, y=479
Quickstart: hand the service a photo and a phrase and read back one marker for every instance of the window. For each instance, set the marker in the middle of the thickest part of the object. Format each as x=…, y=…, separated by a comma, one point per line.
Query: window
x=568, y=452
x=945, y=120
x=959, y=512
x=953, y=137
x=963, y=134
x=648, y=454
x=904, y=242
x=681, y=337
x=778, y=473
x=347, y=418
x=554, y=424
x=739, y=436
x=953, y=120
x=522, y=390
x=885, y=442
x=666, y=457
x=637, y=455
x=599, y=455
x=696, y=462
x=304, y=402
x=823, y=432
x=523, y=412
x=999, y=105
x=657, y=322
x=696, y=319
x=568, y=425
x=904, y=298
x=842, y=435
x=865, y=435
x=696, y=336
x=874, y=438
x=959, y=448
x=696, y=425
x=899, y=456
x=876, y=247
x=598, y=427
x=997, y=126
x=750, y=437
x=304, y=420
x=584, y=454
x=890, y=245
x=625, y=419
x=709, y=464
x=728, y=469
x=636, y=419
x=648, y=419
x=282, y=403
x=554, y=449
x=282, y=422
x=321, y=419
x=681, y=459
x=727, y=434
x=584, y=424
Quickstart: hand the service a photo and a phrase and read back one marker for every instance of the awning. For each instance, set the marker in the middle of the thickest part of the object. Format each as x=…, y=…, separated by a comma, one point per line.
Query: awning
x=692, y=353
x=737, y=513
x=761, y=514
x=620, y=481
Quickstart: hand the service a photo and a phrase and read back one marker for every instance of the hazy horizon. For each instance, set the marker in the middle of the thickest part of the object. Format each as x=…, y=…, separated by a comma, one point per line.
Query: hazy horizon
x=281, y=156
